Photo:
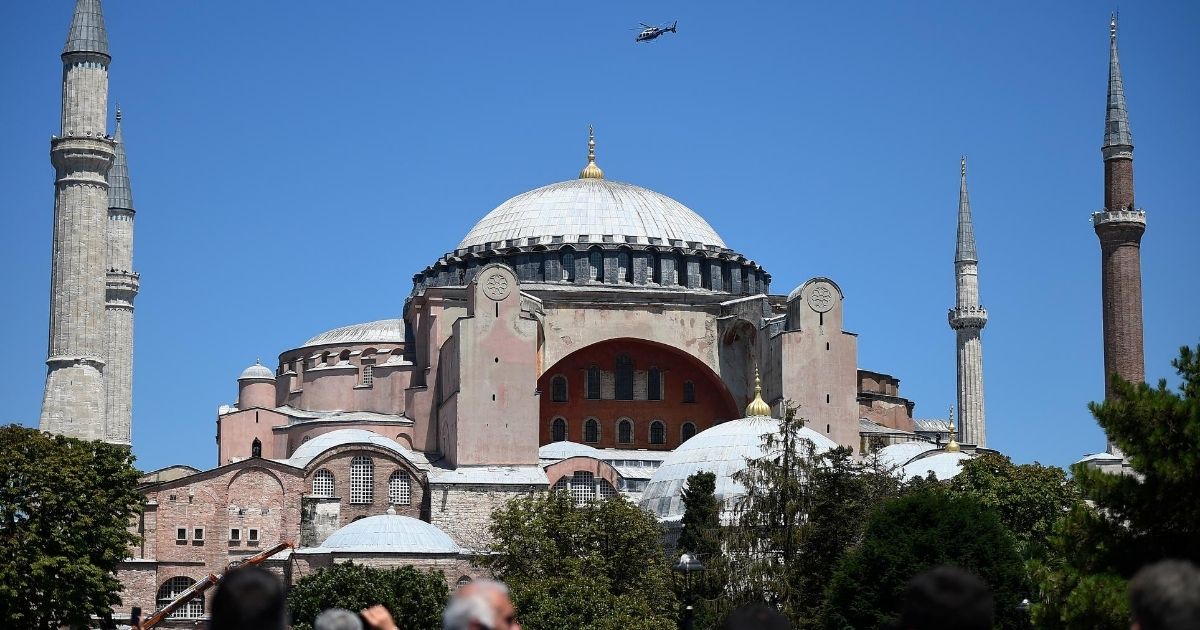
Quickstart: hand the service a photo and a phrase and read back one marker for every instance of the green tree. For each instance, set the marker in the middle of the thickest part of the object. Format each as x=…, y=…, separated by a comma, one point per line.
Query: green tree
x=66, y=507
x=927, y=528
x=415, y=598
x=700, y=536
x=1136, y=518
x=599, y=565
x=1029, y=498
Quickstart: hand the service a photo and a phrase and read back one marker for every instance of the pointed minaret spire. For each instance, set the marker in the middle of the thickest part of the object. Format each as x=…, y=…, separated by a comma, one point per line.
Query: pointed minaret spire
x=1118, y=139
x=121, y=288
x=965, y=248
x=87, y=34
x=967, y=318
x=120, y=195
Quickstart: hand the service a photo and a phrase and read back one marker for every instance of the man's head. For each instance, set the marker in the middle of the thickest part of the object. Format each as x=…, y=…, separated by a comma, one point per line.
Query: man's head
x=249, y=598
x=1166, y=596
x=947, y=598
x=337, y=619
x=480, y=605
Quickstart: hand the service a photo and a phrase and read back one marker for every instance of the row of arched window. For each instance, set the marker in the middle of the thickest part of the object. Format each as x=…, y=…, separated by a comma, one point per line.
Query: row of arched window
x=362, y=483
x=622, y=384
x=656, y=434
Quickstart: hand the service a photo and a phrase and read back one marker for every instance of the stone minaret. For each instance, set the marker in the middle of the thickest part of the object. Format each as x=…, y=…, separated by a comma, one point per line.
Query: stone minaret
x=122, y=288
x=74, y=400
x=968, y=318
x=1120, y=226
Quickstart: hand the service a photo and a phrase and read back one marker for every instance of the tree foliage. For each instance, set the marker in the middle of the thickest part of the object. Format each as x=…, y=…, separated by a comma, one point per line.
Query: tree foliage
x=701, y=524
x=1136, y=518
x=415, y=598
x=928, y=527
x=599, y=565
x=66, y=506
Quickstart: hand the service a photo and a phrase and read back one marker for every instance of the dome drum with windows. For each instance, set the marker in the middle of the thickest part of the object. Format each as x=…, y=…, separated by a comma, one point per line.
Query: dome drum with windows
x=597, y=233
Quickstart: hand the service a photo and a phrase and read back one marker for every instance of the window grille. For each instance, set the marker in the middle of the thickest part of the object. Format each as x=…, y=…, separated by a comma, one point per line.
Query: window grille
x=658, y=432
x=568, y=266
x=172, y=588
x=689, y=392
x=624, y=377
x=655, y=270
x=688, y=431
x=368, y=374
x=400, y=488
x=583, y=487
x=607, y=491
x=596, y=260
x=180, y=533
x=362, y=480
x=322, y=484
x=591, y=430
x=198, y=534
x=625, y=431
x=654, y=384
x=558, y=389
x=558, y=430
x=624, y=269
x=593, y=383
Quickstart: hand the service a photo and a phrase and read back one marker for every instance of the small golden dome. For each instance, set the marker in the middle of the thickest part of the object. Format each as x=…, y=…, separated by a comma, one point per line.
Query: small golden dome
x=952, y=446
x=758, y=407
x=591, y=171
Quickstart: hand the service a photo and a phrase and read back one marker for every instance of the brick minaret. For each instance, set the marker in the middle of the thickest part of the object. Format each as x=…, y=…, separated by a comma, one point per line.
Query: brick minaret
x=74, y=400
x=1120, y=226
x=122, y=287
x=968, y=318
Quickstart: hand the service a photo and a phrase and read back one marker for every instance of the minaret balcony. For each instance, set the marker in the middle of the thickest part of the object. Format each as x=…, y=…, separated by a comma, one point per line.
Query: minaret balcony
x=967, y=317
x=1106, y=217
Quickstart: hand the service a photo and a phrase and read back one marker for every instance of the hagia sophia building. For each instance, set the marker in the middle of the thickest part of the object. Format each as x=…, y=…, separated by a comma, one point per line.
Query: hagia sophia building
x=589, y=335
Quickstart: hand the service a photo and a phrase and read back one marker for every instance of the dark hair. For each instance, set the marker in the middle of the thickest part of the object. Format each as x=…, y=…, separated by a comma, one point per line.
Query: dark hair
x=756, y=617
x=947, y=598
x=249, y=598
x=1166, y=596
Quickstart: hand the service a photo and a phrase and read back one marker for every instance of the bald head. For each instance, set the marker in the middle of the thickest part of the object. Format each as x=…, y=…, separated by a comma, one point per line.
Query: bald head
x=480, y=605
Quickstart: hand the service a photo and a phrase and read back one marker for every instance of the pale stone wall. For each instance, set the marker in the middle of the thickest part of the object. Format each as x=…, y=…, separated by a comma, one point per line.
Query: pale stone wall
x=464, y=512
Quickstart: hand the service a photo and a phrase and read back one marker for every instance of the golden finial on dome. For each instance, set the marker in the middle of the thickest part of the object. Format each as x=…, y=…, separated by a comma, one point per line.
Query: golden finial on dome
x=952, y=446
x=758, y=407
x=591, y=171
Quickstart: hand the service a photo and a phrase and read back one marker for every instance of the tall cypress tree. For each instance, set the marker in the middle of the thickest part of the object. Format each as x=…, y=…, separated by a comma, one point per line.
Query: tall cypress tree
x=700, y=534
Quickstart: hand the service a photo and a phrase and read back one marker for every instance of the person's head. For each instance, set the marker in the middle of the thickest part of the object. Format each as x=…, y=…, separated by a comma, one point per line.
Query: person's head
x=337, y=619
x=249, y=598
x=947, y=598
x=1166, y=596
x=756, y=617
x=480, y=605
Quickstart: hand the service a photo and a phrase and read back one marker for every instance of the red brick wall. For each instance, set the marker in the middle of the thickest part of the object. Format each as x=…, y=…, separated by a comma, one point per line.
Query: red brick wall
x=1118, y=184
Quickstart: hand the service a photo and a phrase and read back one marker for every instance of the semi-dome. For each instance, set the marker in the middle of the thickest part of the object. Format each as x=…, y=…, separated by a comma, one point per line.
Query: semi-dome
x=311, y=449
x=381, y=331
x=592, y=208
x=390, y=533
x=722, y=450
x=258, y=370
x=566, y=450
x=895, y=455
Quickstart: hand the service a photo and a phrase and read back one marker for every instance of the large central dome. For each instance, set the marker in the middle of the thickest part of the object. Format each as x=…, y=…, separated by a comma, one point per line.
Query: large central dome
x=593, y=208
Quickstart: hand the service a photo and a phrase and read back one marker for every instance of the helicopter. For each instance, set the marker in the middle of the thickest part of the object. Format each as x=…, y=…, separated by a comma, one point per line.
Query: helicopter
x=652, y=32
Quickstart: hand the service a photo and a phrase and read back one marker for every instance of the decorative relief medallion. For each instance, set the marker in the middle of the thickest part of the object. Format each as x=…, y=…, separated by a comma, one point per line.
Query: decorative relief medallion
x=495, y=286
x=820, y=299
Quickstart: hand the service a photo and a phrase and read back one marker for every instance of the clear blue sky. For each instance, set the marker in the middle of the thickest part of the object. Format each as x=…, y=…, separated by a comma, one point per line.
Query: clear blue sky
x=295, y=163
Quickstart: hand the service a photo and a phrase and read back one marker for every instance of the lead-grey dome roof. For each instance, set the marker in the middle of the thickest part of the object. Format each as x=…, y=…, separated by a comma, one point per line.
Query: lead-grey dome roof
x=593, y=208
x=382, y=331
x=390, y=533
x=258, y=370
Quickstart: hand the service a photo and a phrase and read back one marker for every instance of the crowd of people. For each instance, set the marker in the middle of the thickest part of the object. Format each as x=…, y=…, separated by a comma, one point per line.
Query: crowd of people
x=1163, y=596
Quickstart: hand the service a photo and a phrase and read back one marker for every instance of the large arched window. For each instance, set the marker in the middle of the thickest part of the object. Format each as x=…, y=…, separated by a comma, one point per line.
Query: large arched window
x=558, y=389
x=596, y=262
x=400, y=488
x=591, y=430
x=322, y=484
x=624, y=377
x=568, y=265
x=593, y=383
x=256, y=448
x=558, y=430
x=687, y=432
x=658, y=432
x=625, y=431
x=654, y=384
x=193, y=609
x=624, y=269
x=689, y=392
x=362, y=480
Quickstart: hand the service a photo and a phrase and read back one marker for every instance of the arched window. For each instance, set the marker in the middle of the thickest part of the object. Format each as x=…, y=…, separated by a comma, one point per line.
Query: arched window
x=362, y=480
x=689, y=392
x=705, y=275
x=658, y=432
x=593, y=383
x=596, y=262
x=325, y=358
x=653, y=270
x=625, y=431
x=624, y=269
x=172, y=588
x=322, y=484
x=344, y=357
x=256, y=448
x=654, y=384
x=687, y=432
x=400, y=488
x=558, y=389
x=568, y=266
x=591, y=430
x=463, y=581
x=558, y=430
x=681, y=270
x=624, y=377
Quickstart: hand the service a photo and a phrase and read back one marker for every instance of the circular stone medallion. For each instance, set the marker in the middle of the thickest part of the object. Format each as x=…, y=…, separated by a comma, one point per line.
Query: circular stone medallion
x=821, y=298
x=495, y=286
